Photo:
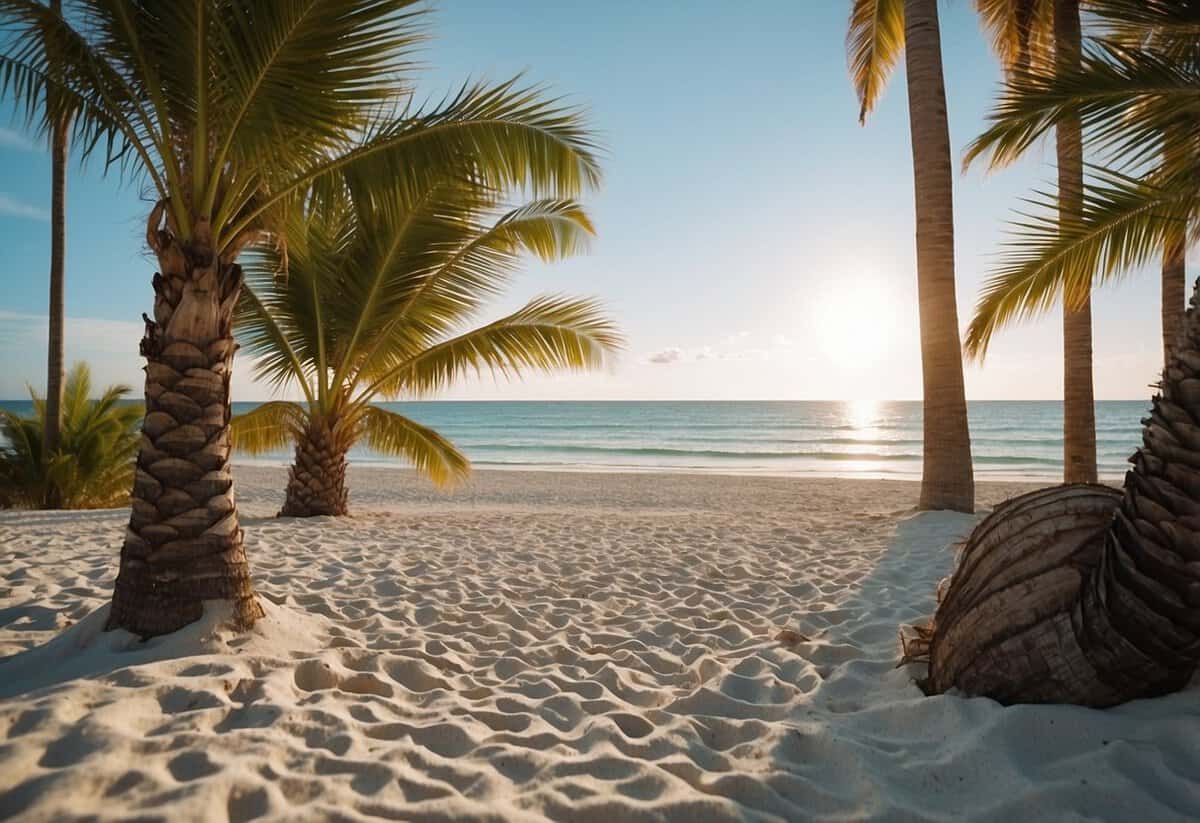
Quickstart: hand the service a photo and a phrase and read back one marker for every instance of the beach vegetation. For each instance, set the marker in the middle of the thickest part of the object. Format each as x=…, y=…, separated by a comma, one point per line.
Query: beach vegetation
x=1080, y=593
x=1133, y=93
x=1046, y=36
x=380, y=302
x=880, y=31
x=92, y=465
x=233, y=116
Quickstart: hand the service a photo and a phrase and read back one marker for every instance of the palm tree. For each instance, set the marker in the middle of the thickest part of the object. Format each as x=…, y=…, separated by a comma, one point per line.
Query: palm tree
x=879, y=31
x=1132, y=91
x=55, y=344
x=375, y=305
x=1079, y=593
x=1027, y=34
x=232, y=117
x=92, y=468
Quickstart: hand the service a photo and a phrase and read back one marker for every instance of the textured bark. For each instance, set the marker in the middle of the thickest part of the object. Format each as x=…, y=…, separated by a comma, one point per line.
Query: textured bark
x=317, y=478
x=1176, y=149
x=1079, y=405
x=1174, y=288
x=184, y=545
x=52, y=427
x=1080, y=594
x=947, y=480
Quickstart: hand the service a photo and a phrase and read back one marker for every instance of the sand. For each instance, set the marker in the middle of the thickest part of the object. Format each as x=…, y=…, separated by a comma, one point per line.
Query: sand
x=565, y=646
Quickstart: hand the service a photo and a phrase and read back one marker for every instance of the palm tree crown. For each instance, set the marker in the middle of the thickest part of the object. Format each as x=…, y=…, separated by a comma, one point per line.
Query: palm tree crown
x=376, y=304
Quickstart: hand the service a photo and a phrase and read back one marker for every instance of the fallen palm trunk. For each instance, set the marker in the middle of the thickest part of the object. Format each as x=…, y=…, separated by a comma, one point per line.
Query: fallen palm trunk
x=1079, y=593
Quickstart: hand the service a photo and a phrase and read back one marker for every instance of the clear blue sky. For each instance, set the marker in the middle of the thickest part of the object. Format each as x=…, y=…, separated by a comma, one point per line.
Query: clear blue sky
x=753, y=240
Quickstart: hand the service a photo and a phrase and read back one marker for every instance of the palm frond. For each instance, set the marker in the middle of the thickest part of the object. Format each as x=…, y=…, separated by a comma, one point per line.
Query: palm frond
x=1123, y=223
x=268, y=427
x=431, y=454
x=547, y=334
x=503, y=136
x=1021, y=31
x=1124, y=97
x=94, y=465
x=874, y=43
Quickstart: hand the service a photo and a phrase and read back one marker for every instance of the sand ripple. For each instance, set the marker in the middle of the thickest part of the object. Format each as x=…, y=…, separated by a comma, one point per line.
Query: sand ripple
x=551, y=646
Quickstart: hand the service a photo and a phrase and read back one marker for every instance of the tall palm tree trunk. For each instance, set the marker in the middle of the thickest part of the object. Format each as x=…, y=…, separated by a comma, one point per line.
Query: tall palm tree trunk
x=1174, y=287
x=1174, y=264
x=1079, y=405
x=52, y=427
x=317, y=478
x=947, y=480
x=184, y=545
x=1079, y=594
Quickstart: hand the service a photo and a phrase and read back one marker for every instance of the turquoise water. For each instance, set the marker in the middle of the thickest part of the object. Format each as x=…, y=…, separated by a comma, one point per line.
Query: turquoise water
x=1011, y=439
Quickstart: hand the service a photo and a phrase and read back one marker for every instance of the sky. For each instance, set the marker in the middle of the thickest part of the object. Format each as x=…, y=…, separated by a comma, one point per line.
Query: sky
x=753, y=240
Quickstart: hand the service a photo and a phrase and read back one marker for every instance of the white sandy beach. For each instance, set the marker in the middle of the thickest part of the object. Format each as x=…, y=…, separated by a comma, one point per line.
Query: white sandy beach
x=565, y=646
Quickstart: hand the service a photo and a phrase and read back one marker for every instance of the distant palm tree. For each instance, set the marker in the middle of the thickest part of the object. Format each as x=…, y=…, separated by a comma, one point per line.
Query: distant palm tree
x=1132, y=91
x=1045, y=35
x=233, y=112
x=58, y=246
x=879, y=31
x=91, y=468
x=377, y=304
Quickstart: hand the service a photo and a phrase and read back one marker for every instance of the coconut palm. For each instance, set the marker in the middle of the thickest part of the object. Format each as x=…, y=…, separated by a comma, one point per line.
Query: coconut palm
x=1045, y=34
x=231, y=117
x=879, y=31
x=1079, y=593
x=377, y=304
x=1133, y=92
x=91, y=468
x=52, y=427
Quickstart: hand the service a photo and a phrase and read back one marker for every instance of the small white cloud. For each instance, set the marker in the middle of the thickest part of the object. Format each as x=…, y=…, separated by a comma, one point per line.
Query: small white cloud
x=670, y=355
x=10, y=139
x=705, y=353
x=12, y=207
x=783, y=341
x=747, y=354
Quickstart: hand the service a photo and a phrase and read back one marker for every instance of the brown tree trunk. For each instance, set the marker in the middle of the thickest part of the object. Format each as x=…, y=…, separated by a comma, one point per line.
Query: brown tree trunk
x=947, y=480
x=1079, y=405
x=1174, y=288
x=1078, y=594
x=184, y=545
x=317, y=478
x=52, y=425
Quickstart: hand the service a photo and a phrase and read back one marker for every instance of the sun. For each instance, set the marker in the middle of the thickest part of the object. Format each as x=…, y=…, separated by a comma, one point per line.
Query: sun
x=855, y=325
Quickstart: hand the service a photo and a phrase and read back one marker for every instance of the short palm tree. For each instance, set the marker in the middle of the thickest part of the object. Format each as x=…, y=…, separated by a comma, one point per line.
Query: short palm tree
x=1079, y=593
x=1133, y=92
x=92, y=466
x=377, y=304
x=233, y=112
x=879, y=31
x=1044, y=35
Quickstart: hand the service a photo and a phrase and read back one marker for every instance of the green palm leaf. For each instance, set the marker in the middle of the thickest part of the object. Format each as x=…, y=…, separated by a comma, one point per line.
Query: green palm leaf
x=431, y=454
x=267, y=427
x=1123, y=224
x=548, y=334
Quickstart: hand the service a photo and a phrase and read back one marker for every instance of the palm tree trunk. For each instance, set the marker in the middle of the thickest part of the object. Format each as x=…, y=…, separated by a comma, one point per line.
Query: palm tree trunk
x=1174, y=287
x=317, y=478
x=1174, y=264
x=1079, y=405
x=1078, y=594
x=184, y=545
x=947, y=480
x=52, y=426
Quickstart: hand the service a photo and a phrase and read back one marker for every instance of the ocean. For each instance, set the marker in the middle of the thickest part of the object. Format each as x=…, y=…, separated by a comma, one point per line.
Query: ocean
x=1010, y=439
